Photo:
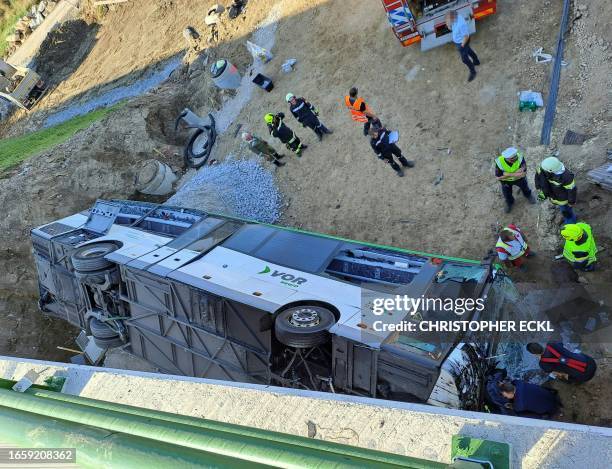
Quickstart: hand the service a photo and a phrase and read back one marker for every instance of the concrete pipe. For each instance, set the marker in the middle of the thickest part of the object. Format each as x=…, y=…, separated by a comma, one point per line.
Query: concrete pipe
x=155, y=178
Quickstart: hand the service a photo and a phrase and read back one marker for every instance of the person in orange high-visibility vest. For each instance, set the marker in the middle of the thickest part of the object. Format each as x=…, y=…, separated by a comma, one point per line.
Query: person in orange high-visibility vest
x=361, y=112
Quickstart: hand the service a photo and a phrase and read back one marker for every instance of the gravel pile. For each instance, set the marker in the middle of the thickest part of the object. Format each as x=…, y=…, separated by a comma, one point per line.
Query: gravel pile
x=237, y=187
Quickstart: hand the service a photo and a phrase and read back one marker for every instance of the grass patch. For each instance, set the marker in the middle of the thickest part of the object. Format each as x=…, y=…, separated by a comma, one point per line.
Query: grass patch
x=10, y=13
x=14, y=150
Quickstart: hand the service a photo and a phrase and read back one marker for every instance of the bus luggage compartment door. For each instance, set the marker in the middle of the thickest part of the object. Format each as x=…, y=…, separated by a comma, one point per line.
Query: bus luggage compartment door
x=354, y=367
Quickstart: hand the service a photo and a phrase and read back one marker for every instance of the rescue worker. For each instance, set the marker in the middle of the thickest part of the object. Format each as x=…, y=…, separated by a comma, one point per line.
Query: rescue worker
x=278, y=129
x=512, y=248
x=556, y=183
x=528, y=400
x=563, y=364
x=580, y=249
x=510, y=171
x=360, y=111
x=385, y=150
x=262, y=148
x=307, y=115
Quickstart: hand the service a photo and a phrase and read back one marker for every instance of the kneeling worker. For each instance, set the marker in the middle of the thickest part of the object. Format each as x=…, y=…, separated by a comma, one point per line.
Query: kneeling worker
x=510, y=171
x=563, y=364
x=580, y=249
x=262, y=148
x=529, y=400
x=512, y=248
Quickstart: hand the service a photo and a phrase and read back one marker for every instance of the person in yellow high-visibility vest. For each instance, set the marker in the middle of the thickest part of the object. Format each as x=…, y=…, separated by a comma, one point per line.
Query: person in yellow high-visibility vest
x=512, y=248
x=510, y=171
x=580, y=249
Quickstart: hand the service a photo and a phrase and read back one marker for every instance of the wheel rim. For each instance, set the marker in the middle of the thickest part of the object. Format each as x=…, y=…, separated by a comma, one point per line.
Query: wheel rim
x=304, y=317
x=93, y=252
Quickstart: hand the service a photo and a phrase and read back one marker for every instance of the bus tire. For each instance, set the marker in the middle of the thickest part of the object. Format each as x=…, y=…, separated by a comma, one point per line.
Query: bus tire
x=101, y=330
x=109, y=342
x=303, y=326
x=90, y=258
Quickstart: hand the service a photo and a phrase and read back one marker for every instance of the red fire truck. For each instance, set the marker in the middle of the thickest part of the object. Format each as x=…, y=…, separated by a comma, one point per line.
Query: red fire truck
x=423, y=20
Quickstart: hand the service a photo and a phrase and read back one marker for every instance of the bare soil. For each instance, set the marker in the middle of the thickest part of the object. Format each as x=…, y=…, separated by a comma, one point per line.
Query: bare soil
x=338, y=186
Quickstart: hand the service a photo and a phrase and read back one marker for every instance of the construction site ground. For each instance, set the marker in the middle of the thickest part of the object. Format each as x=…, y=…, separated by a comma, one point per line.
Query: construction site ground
x=449, y=203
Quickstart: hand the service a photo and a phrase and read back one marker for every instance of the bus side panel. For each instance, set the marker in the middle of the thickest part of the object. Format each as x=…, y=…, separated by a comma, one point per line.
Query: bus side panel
x=354, y=367
x=190, y=332
x=404, y=378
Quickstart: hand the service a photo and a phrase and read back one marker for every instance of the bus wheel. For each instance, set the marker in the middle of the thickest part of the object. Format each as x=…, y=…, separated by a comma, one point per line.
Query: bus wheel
x=90, y=257
x=303, y=326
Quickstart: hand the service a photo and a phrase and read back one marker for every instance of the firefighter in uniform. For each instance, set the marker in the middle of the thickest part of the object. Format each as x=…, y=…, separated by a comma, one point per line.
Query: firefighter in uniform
x=573, y=367
x=580, y=249
x=512, y=248
x=554, y=182
x=278, y=129
x=361, y=112
x=306, y=114
x=262, y=148
x=510, y=171
x=385, y=150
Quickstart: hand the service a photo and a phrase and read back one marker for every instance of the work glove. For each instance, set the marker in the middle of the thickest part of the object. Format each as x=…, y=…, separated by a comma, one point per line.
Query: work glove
x=316, y=112
x=541, y=195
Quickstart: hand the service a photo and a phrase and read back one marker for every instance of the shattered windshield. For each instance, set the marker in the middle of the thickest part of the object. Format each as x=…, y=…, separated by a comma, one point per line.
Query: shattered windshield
x=454, y=292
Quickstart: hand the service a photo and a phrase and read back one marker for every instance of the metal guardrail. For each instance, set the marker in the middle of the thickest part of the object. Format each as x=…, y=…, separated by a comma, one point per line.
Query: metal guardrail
x=126, y=436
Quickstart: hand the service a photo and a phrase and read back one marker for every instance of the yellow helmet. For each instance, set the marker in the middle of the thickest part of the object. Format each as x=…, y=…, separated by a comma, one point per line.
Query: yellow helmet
x=572, y=232
x=269, y=118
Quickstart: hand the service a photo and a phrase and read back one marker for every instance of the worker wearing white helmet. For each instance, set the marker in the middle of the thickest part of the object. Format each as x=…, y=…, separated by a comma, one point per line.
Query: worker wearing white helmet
x=306, y=114
x=556, y=183
x=262, y=148
x=510, y=171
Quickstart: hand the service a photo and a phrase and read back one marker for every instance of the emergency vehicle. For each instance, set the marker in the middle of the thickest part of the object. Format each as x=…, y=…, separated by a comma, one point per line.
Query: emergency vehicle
x=424, y=20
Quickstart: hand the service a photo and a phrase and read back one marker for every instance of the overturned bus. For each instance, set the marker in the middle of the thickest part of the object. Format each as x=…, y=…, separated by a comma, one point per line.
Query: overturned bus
x=214, y=296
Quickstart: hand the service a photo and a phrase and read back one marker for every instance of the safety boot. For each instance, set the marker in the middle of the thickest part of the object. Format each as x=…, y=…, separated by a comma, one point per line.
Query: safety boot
x=397, y=169
x=406, y=163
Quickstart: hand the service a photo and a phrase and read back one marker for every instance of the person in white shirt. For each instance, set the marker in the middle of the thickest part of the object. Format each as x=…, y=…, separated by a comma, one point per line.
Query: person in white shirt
x=461, y=37
x=512, y=248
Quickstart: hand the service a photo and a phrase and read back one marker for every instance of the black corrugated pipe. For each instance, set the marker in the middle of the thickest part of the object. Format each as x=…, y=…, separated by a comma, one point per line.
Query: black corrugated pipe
x=551, y=105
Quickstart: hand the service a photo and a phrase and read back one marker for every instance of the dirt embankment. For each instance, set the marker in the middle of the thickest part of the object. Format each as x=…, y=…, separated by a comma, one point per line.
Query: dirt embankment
x=64, y=49
x=101, y=161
